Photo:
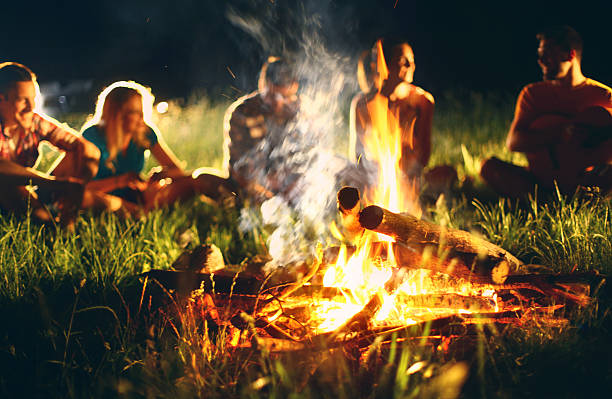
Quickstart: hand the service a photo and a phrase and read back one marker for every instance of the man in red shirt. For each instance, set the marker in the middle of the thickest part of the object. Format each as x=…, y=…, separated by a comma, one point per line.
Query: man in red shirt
x=562, y=124
x=21, y=130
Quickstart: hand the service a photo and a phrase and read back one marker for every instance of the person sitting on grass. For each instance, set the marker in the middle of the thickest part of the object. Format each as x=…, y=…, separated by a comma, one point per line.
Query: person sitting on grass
x=562, y=124
x=22, y=128
x=122, y=129
x=391, y=75
x=263, y=114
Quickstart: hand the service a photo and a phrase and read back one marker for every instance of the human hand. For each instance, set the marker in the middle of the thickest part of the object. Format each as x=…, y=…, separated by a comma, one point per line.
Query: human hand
x=574, y=133
x=133, y=181
x=159, y=174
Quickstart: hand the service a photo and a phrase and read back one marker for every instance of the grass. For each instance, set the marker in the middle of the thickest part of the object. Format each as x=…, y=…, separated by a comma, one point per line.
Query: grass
x=77, y=322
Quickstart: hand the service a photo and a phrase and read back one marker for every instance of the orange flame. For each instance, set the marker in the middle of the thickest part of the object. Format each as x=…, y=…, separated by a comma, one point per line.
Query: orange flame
x=383, y=145
x=364, y=275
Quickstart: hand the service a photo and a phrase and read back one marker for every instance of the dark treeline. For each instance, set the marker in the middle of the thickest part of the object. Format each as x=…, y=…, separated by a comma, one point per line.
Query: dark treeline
x=181, y=45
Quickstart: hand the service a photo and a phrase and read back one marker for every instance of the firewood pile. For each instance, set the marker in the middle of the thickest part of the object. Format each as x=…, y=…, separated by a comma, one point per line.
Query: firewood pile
x=475, y=284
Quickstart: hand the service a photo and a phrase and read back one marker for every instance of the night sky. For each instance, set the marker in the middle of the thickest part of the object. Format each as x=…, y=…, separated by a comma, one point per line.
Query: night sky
x=179, y=46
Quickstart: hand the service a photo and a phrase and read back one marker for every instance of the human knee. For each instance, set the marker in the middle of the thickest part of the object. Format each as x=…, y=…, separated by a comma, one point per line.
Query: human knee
x=443, y=176
x=489, y=168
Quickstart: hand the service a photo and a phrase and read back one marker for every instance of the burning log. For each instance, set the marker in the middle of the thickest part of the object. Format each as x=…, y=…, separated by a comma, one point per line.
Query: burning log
x=589, y=278
x=406, y=257
x=482, y=258
x=276, y=345
x=360, y=322
x=219, y=283
x=349, y=205
x=448, y=300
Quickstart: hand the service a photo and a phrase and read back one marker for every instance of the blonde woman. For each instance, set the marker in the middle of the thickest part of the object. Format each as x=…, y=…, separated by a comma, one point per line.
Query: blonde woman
x=122, y=129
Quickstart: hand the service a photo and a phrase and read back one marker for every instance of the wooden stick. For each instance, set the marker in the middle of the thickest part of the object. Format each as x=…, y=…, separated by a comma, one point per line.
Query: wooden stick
x=186, y=281
x=359, y=322
x=411, y=258
x=591, y=277
x=349, y=205
x=485, y=259
x=465, y=267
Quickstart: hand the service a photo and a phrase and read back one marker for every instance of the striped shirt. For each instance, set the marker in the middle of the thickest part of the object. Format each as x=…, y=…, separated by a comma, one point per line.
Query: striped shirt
x=21, y=146
x=247, y=122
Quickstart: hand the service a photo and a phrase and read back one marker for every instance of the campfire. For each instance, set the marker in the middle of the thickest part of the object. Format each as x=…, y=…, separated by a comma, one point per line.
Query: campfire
x=404, y=276
x=394, y=274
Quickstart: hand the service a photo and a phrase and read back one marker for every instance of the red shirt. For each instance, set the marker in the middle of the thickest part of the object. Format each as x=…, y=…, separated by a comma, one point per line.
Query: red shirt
x=551, y=98
x=550, y=104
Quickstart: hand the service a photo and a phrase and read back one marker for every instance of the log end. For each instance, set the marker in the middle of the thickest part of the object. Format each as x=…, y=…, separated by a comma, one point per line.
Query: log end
x=348, y=198
x=500, y=272
x=371, y=217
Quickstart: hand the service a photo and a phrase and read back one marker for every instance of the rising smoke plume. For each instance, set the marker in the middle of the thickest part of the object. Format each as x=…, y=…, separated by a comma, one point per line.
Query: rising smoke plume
x=309, y=154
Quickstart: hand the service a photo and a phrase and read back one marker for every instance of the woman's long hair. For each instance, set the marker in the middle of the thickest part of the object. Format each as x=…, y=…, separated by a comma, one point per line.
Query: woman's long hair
x=109, y=116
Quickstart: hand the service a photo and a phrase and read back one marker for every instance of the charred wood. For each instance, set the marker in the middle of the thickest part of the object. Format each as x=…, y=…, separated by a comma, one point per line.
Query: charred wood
x=349, y=205
x=218, y=283
x=484, y=258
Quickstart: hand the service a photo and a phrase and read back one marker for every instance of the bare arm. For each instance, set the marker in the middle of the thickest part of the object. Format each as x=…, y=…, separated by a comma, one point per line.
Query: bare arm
x=527, y=138
x=87, y=159
x=85, y=155
x=112, y=183
x=167, y=159
x=531, y=131
x=422, y=128
x=13, y=174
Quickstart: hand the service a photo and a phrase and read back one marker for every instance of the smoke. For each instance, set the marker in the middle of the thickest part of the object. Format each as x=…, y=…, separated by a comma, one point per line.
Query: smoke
x=307, y=157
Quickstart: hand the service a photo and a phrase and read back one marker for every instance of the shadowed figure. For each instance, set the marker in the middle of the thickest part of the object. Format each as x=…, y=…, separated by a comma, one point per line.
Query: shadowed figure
x=255, y=125
x=122, y=130
x=562, y=124
x=22, y=128
x=413, y=106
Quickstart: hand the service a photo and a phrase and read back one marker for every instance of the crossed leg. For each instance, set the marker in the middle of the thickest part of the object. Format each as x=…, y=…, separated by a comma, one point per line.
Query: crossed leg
x=508, y=179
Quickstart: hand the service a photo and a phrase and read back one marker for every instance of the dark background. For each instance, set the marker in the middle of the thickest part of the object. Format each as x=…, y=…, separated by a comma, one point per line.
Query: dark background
x=180, y=46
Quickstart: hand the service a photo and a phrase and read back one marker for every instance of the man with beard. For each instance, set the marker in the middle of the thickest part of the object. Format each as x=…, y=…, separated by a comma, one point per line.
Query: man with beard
x=265, y=113
x=562, y=124
x=21, y=130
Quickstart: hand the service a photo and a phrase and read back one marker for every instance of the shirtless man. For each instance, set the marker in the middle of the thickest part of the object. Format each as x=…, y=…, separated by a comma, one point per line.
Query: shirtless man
x=413, y=106
x=562, y=124
x=21, y=130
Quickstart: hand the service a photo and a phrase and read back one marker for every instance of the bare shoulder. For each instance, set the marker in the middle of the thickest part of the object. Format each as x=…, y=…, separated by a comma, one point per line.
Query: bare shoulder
x=246, y=104
x=425, y=95
x=359, y=102
x=422, y=97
